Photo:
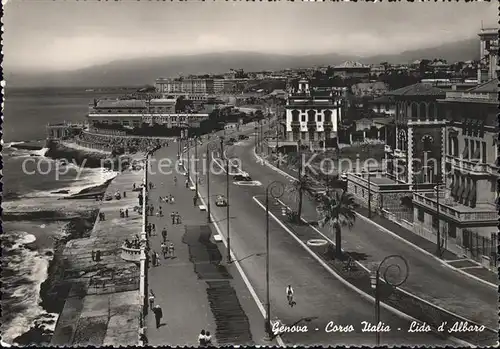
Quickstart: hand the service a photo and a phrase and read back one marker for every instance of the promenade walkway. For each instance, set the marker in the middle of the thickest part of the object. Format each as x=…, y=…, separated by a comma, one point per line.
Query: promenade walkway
x=196, y=289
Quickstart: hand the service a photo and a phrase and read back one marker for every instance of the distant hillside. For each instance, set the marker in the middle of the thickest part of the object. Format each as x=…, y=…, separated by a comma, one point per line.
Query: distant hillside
x=453, y=52
x=133, y=72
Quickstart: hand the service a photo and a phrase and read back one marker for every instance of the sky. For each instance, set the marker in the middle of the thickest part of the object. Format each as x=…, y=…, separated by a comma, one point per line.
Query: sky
x=41, y=35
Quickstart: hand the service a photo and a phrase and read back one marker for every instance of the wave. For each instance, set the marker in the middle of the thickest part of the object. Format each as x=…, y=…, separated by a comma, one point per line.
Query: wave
x=40, y=152
x=22, y=277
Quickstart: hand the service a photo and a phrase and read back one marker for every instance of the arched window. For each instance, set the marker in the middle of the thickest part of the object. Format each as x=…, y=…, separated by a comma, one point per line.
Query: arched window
x=295, y=115
x=328, y=115
x=402, y=140
x=423, y=111
x=414, y=111
x=427, y=141
x=311, y=116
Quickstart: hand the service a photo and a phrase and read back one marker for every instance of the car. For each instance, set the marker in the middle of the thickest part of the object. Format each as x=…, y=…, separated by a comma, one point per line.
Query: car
x=108, y=197
x=242, y=137
x=220, y=201
x=242, y=178
x=232, y=139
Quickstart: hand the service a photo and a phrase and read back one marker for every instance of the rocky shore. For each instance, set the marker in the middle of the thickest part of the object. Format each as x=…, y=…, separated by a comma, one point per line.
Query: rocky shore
x=86, y=158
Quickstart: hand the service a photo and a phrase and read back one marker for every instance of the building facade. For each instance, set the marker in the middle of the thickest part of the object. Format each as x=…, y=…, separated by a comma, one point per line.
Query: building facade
x=351, y=69
x=468, y=216
x=190, y=86
x=488, y=55
x=312, y=116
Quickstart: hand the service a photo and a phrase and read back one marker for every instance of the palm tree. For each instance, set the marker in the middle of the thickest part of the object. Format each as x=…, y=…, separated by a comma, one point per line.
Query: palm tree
x=337, y=210
x=303, y=185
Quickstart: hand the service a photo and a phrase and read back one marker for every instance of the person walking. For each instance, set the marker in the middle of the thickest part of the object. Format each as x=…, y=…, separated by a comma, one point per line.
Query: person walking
x=172, y=199
x=175, y=180
x=161, y=212
x=171, y=250
x=153, y=227
x=187, y=183
x=158, y=314
x=157, y=257
x=164, y=249
x=208, y=338
x=173, y=217
x=153, y=257
x=195, y=200
x=202, y=338
x=289, y=295
x=151, y=299
x=164, y=234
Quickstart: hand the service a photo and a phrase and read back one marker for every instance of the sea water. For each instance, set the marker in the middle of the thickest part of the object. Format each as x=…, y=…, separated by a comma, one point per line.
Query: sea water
x=27, y=244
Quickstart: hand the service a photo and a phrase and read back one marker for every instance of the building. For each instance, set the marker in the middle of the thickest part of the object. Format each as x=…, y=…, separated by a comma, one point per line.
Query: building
x=468, y=216
x=312, y=116
x=488, y=54
x=350, y=69
x=133, y=113
x=385, y=104
x=370, y=89
x=190, y=86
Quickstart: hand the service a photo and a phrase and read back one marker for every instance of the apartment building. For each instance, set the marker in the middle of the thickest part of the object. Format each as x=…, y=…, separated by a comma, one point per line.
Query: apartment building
x=312, y=116
x=488, y=54
x=468, y=216
x=190, y=86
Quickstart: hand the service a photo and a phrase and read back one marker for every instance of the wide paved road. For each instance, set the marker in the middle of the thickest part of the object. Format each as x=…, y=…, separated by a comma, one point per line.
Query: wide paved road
x=317, y=292
x=428, y=278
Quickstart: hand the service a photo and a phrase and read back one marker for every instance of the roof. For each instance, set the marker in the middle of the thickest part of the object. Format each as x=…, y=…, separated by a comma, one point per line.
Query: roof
x=383, y=99
x=130, y=103
x=163, y=100
x=418, y=89
x=488, y=86
x=351, y=64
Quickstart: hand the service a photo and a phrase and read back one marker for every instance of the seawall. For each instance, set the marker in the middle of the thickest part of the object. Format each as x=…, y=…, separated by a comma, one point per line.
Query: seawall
x=103, y=303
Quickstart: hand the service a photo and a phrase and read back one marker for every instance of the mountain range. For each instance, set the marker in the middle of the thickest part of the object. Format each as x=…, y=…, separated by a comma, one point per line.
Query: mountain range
x=141, y=71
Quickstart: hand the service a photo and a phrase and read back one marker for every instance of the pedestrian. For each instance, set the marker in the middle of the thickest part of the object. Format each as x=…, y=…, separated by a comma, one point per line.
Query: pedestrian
x=153, y=257
x=172, y=199
x=98, y=255
x=175, y=180
x=158, y=214
x=164, y=234
x=157, y=257
x=153, y=227
x=173, y=217
x=208, y=338
x=158, y=314
x=178, y=218
x=187, y=183
x=122, y=215
x=133, y=186
x=171, y=250
x=126, y=212
x=124, y=194
x=161, y=212
x=151, y=299
x=202, y=338
x=195, y=200
x=93, y=255
x=164, y=249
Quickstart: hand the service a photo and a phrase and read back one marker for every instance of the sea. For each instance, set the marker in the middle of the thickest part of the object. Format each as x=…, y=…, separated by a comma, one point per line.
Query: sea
x=27, y=243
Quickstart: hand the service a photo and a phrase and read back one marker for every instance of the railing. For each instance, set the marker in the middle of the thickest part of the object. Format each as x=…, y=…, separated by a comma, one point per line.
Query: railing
x=450, y=211
x=478, y=167
x=131, y=254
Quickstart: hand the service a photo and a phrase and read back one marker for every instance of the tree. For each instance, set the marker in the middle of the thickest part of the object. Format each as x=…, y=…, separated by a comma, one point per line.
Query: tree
x=338, y=209
x=303, y=185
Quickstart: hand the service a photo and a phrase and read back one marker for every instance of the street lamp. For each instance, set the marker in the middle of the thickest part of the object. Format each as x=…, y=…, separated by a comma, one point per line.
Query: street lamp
x=276, y=189
x=210, y=147
x=227, y=198
x=394, y=275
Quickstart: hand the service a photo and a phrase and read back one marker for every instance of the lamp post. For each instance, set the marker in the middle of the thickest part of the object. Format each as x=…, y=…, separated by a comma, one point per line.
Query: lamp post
x=276, y=190
x=396, y=271
x=210, y=146
x=227, y=198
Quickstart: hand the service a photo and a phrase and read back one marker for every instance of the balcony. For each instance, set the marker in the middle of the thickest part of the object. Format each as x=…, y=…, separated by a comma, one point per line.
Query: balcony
x=475, y=168
x=131, y=254
x=454, y=210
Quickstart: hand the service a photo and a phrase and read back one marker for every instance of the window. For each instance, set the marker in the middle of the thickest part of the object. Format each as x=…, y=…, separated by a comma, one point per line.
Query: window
x=303, y=118
x=434, y=221
x=303, y=135
x=420, y=215
x=319, y=118
x=483, y=152
x=452, y=231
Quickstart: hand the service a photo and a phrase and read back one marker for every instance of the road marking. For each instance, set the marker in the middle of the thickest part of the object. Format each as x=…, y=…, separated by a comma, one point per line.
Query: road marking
x=349, y=285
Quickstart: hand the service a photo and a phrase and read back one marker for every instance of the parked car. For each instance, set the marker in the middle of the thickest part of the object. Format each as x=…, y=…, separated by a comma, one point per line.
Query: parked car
x=108, y=197
x=232, y=139
x=221, y=201
x=241, y=137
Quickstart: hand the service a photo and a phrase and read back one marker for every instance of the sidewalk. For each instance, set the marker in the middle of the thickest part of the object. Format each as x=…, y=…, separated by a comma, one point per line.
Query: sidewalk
x=429, y=246
x=195, y=289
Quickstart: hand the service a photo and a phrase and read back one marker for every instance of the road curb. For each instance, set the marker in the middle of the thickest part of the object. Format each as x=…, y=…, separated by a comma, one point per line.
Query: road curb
x=349, y=285
x=386, y=230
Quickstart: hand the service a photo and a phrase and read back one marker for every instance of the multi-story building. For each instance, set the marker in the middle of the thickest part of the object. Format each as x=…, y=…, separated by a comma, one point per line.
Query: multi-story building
x=133, y=113
x=488, y=54
x=190, y=86
x=468, y=217
x=312, y=116
x=351, y=69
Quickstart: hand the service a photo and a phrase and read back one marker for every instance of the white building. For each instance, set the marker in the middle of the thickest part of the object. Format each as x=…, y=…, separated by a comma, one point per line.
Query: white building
x=312, y=116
